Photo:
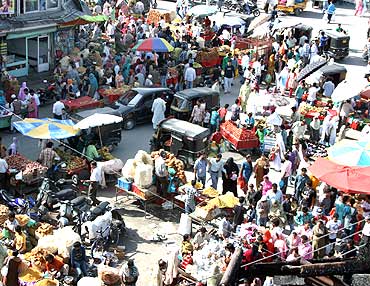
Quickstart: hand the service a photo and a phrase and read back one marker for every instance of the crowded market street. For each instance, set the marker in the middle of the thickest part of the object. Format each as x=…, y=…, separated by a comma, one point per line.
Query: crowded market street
x=189, y=150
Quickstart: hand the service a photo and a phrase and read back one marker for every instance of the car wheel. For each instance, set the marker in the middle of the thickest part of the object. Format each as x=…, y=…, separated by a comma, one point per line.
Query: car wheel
x=129, y=123
x=256, y=13
x=298, y=11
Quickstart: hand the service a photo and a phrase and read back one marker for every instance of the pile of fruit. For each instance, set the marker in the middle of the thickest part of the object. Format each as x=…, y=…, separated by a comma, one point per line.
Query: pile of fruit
x=207, y=56
x=72, y=162
x=154, y=16
x=4, y=212
x=105, y=154
x=44, y=229
x=114, y=91
x=29, y=275
x=306, y=108
x=240, y=138
x=173, y=162
x=22, y=219
x=21, y=163
x=210, y=192
x=37, y=257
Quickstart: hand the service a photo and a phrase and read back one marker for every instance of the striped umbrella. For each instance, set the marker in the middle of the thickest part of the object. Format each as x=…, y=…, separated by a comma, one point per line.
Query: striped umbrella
x=46, y=128
x=158, y=45
x=351, y=153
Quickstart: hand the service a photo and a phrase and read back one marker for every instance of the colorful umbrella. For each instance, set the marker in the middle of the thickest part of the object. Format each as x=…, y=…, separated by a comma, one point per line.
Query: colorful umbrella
x=345, y=178
x=351, y=153
x=202, y=10
x=46, y=128
x=158, y=45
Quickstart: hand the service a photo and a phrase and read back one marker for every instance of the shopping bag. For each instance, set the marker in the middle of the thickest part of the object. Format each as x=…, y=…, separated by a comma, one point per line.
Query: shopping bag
x=241, y=182
x=184, y=225
x=325, y=17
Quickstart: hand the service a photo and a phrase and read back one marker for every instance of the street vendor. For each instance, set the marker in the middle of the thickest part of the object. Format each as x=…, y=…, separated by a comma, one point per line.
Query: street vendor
x=9, y=226
x=95, y=179
x=55, y=266
x=190, y=192
x=161, y=172
x=92, y=153
x=47, y=157
x=20, y=240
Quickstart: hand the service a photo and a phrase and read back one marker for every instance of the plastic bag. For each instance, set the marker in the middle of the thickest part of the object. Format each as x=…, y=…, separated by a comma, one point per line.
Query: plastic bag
x=128, y=170
x=185, y=225
x=143, y=175
x=241, y=182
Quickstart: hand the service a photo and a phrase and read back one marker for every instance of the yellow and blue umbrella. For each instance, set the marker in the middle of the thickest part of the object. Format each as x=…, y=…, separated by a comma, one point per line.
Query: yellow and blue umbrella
x=351, y=153
x=46, y=128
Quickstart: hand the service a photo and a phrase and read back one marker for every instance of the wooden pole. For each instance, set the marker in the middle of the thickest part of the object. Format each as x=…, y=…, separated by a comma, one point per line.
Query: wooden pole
x=232, y=269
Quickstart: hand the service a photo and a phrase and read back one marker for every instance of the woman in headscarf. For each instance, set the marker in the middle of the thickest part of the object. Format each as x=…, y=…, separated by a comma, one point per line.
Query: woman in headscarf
x=229, y=177
x=93, y=85
x=12, y=150
x=126, y=69
x=22, y=94
x=32, y=108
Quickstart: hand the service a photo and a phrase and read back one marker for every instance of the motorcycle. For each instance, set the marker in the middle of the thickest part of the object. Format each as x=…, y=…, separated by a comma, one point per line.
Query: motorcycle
x=18, y=205
x=48, y=92
x=51, y=193
x=248, y=7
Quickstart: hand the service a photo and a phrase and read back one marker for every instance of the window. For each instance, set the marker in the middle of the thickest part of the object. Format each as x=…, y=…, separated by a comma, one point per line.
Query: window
x=31, y=5
x=51, y=4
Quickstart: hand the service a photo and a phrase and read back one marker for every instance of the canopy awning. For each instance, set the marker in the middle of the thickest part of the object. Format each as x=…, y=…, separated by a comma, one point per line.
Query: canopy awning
x=85, y=19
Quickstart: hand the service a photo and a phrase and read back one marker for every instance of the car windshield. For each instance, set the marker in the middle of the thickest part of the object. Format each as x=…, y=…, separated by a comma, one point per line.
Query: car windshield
x=130, y=98
x=181, y=103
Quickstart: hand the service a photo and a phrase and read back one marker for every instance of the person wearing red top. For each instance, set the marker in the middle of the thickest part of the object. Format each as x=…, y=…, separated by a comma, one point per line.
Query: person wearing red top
x=55, y=266
x=222, y=112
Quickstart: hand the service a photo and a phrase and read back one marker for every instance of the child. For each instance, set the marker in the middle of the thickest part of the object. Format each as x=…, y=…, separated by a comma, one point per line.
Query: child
x=207, y=118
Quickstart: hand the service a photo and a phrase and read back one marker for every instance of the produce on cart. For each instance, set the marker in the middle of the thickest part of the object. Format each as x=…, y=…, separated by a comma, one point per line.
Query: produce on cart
x=172, y=162
x=111, y=95
x=240, y=138
x=74, y=164
x=31, y=171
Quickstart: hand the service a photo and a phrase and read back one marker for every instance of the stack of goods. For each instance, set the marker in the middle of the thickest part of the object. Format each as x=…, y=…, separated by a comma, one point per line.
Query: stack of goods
x=307, y=110
x=109, y=275
x=4, y=212
x=210, y=192
x=154, y=16
x=113, y=94
x=240, y=138
x=139, y=169
x=316, y=150
x=105, y=154
x=37, y=257
x=44, y=229
x=73, y=163
x=223, y=50
x=29, y=276
x=22, y=219
x=208, y=57
x=31, y=170
x=173, y=162
x=47, y=282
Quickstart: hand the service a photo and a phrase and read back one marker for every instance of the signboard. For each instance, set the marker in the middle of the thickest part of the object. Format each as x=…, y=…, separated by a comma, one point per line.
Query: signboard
x=7, y=7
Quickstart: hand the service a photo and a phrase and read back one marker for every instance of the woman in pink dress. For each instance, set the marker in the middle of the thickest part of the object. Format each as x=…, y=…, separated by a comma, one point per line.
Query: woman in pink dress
x=359, y=7
x=32, y=108
x=266, y=185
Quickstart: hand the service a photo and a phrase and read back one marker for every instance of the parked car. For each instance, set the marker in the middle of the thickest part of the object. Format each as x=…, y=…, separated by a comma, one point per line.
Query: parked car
x=184, y=101
x=135, y=106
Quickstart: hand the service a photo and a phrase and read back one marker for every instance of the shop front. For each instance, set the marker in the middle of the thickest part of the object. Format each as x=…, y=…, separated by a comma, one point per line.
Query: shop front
x=29, y=51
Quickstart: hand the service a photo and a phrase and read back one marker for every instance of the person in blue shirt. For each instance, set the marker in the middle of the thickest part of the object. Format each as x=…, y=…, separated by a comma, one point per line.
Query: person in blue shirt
x=249, y=121
x=215, y=120
x=330, y=10
x=247, y=169
x=323, y=41
x=200, y=169
x=78, y=259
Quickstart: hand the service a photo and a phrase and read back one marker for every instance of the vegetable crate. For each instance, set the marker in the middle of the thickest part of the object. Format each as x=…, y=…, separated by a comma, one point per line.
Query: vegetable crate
x=240, y=138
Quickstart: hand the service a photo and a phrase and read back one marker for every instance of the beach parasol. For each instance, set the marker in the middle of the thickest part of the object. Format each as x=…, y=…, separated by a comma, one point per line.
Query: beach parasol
x=345, y=90
x=351, y=153
x=46, y=128
x=310, y=69
x=345, y=178
x=202, y=11
x=158, y=45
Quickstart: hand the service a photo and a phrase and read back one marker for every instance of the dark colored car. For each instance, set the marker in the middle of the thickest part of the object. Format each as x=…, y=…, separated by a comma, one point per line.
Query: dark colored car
x=184, y=101
x=135, y=106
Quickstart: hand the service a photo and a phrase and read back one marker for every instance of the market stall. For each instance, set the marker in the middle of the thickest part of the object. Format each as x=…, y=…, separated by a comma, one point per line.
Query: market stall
x=240, y=138
x=309, y=112
x=111, y=95
x=83, y=102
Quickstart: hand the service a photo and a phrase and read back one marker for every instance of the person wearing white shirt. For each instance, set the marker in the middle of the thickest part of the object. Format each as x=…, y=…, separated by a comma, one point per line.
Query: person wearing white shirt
x=245, y=61
x=302, y=40
x=3, y=169
x=95, y=179
x=195, y=31
x=366, y=231
x=226, y=34
x=257, y=70
x=190, y=76
x=58, y=107
x=328, y=87
x=110, y=29
x=285, y=173
x=312, y=91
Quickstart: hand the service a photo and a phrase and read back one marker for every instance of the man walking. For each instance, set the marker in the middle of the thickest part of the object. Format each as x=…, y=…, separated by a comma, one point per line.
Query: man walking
x=58, y=107
x=228, y=76
x=95, y=179
x=190, y=76
x=158, y=109
x=200, y=169
x=215, y=168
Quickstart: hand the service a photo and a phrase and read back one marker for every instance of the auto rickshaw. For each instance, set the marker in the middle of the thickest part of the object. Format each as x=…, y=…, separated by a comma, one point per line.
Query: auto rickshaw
x=295, y=8
x=183, y=139
x=105, y=135
x=184, y=101
x=336, y=72
x=337, y=45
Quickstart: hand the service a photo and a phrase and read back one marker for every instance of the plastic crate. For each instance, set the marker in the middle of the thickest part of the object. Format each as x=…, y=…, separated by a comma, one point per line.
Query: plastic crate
x=124, y=183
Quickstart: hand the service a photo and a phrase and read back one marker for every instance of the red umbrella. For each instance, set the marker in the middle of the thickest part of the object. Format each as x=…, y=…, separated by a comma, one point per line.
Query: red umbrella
x=365, y=94
x=345, y=178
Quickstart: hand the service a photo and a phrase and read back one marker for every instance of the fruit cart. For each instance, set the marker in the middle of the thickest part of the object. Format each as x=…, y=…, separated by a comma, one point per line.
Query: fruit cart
x=110, y=95
x=81, y=103
x=29, y=171
x=73, y=164
x=239, y=138
x=309, y=112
